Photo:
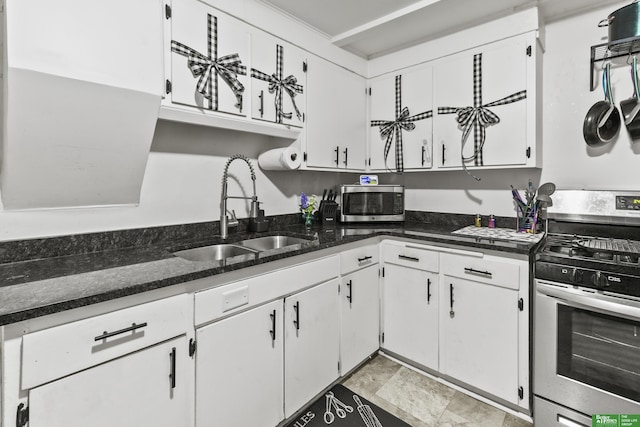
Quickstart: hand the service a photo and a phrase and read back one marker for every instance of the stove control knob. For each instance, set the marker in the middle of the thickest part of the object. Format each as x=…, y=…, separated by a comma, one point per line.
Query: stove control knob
x=576, y=275
x=600, y=280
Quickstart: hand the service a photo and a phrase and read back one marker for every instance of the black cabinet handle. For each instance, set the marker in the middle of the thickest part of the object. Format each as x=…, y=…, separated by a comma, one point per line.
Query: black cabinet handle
x=131, y=328
x=424, y=150
x=428, y=291
x=346, y=153
x=172, y=374
x=409, y=258
x=261, y=109
x=273, y=325
x=296, y=322
x=451, y=312
x=478, y=272
x=443, y=150
x=350, y=295
x=337, y=150
x=363, y=259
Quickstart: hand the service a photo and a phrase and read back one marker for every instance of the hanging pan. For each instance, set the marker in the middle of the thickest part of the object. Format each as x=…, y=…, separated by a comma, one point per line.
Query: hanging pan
x=602, y=122
x=630, y=107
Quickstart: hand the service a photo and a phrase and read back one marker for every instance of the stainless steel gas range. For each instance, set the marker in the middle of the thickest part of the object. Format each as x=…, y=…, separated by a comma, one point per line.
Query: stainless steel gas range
x=587, y=309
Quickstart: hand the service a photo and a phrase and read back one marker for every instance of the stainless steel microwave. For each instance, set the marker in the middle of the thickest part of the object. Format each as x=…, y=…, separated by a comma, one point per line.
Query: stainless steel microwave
x=371, y=203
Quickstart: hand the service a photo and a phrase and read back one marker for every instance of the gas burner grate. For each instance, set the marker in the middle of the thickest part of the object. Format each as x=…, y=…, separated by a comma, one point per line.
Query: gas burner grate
x=617, y=246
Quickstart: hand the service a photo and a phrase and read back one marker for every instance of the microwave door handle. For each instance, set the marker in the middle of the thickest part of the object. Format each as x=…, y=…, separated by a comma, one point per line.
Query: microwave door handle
x=579, y=299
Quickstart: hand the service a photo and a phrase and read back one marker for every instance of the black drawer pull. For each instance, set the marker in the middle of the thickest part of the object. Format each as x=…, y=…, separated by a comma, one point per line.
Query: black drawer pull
x=350, y=295
x=428, y=291
x=172, y=374
x=261, y=109
x=131, y=328
x=273, y=325
x=337, y=150
x=364, y=258
x=479, y=272
x=296, y=322
x=409, y=258
x=452, y=313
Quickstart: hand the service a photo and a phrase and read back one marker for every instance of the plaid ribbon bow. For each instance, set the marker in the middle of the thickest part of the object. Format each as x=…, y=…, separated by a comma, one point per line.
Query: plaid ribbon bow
x=478, y=117
x=227, y=67
x=278, y=85
x=402, y=122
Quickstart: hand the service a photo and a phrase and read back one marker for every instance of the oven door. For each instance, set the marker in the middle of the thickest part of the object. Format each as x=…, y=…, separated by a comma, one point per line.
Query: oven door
x=587, y=350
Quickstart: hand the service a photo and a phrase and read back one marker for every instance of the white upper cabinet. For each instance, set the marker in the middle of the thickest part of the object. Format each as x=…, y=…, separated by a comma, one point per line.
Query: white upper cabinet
x=484, y=104
x=400, y=129
x=336, y=107
x=278, y=81
x=209, y=56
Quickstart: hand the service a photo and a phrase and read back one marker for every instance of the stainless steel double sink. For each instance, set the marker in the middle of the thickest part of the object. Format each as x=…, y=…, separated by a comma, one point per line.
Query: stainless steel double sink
x=254, y=246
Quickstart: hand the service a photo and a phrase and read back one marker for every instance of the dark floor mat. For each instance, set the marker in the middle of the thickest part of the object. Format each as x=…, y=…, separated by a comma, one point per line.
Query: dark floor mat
x=341, y=407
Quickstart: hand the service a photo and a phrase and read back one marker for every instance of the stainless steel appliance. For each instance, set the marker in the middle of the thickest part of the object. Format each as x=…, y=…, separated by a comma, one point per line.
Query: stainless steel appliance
x=587, y=309
x=371, y=203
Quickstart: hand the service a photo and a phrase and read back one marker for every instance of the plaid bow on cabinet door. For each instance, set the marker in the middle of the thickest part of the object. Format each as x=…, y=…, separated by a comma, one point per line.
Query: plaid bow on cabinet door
x=208, y=60
x=481, y=106
x=277, y=81
x=401, y=121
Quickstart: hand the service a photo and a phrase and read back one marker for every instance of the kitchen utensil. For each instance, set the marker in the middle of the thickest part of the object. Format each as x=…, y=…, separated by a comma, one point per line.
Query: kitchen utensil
x=365, y=411
x=624, y=27
x=328, y=415
x=548, y=188
x=630, y=107
x=545, y=199
x=602, y=121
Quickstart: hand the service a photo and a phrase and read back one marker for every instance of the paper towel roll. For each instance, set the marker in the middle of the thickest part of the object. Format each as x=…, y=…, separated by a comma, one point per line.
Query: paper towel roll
x=280, y=159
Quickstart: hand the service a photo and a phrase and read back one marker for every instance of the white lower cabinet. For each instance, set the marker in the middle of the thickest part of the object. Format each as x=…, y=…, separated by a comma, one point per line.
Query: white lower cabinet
x=239, y=369
x=480, y=318
x=410, y=314
x=311, y=343
x=150, y=387
x=360, y=317
x=479, y=339
x=128, y=367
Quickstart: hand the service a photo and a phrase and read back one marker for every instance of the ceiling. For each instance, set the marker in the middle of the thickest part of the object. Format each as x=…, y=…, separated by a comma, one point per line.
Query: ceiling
x=371, y=28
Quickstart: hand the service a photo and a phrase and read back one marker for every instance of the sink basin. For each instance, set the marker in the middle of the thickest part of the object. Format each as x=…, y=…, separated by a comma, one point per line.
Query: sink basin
x=272, y=242
x=213, y=252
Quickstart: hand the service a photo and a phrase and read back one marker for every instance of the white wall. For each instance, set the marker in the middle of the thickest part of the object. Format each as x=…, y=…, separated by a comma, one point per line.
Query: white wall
x=567, y=160
x=182, y=184
x=182, y=181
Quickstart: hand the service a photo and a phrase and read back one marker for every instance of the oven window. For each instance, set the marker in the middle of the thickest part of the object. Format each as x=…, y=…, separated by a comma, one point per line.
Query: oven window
x=599, y=350
x=370, y=203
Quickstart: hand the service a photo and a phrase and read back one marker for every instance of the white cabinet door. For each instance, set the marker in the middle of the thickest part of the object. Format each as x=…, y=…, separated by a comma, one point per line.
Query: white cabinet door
x=209, y=55
x=406, y=97
x=151, y=387
x=410, y=314
x=278, y=80
x=239, y=370
x=479, y=341
x=490, y=83
x=312, y=330
x=336, y=117
x=360, y=305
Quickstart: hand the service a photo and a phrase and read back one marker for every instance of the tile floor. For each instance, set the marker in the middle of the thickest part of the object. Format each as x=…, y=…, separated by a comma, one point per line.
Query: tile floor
x=422, y=401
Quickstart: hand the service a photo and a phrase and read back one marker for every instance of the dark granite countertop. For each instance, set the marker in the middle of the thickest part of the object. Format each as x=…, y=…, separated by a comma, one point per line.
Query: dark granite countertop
x=45, y=276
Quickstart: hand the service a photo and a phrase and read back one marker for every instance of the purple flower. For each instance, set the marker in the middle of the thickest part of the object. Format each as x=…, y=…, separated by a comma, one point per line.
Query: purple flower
x=304, y=201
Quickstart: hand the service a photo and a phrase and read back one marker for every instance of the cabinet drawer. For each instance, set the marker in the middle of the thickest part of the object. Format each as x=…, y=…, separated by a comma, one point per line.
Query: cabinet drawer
x=357, y=258
x=488, y=269
x=409, y=256
x=221, y=301
x=62, y=350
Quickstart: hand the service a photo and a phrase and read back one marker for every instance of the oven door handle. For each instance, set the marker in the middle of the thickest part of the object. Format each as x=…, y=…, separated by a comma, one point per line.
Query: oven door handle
x=602, y=303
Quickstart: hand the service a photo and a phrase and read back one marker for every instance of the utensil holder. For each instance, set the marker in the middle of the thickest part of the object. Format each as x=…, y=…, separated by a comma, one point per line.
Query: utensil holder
x=526, y=220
